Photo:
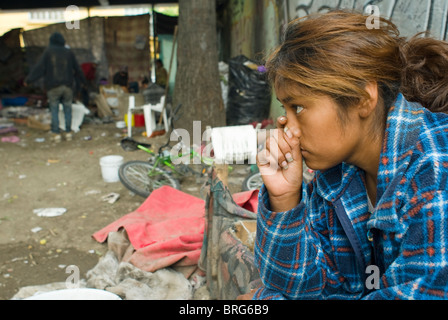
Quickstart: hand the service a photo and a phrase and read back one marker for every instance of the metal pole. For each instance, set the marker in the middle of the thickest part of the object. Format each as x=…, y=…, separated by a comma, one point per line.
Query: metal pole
x=154, y=35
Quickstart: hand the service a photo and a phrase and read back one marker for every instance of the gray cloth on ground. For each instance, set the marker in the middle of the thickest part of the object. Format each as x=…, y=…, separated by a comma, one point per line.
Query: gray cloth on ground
x=114, y=274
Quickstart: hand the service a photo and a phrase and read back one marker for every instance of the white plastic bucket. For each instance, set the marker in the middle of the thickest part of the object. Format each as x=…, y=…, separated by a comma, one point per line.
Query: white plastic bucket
x=109, y=168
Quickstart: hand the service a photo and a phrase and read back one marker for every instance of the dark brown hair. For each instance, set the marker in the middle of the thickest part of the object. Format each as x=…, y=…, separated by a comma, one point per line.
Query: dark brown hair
x=336, y=54
x=425, y=72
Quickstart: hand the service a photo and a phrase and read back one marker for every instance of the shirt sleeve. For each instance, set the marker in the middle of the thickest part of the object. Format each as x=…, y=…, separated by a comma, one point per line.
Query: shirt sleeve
x=293, y=257
x=296, y=260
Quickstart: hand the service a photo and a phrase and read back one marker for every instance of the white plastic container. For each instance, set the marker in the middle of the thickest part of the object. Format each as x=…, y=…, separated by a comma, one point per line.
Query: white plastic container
x=120, y=124
x=78, y=113
x=76, y=294
x=109, y=168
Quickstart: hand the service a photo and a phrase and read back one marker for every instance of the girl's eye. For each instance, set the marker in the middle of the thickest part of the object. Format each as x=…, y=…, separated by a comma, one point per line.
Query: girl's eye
x=298, y=109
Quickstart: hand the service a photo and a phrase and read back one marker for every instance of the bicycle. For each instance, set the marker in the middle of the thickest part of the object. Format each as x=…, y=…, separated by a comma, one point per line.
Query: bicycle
x=161, y=169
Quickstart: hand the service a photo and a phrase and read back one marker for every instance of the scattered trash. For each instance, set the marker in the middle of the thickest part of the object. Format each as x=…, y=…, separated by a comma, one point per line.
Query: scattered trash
x=120, y=124
x=53, y=161
x=10, y=198
x=49, y=212
x=9, y=129
x=4, y=123
x=36, y=229
x=90, y=192
x=22, y=176
x=87, y=138
x=11, y=139
x=40, y=140
x=43, y=242
x=111, y=198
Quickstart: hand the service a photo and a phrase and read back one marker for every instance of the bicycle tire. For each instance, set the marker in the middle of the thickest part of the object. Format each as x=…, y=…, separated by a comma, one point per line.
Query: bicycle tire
x=134, y=176
x=253, y=181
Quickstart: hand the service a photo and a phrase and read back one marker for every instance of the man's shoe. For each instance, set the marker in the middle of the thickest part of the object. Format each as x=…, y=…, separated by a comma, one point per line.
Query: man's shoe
x=56, y=137
x=68, y=136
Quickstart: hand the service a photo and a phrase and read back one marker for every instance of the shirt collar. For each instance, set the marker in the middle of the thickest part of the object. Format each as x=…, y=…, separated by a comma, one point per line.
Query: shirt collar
x=332, y=183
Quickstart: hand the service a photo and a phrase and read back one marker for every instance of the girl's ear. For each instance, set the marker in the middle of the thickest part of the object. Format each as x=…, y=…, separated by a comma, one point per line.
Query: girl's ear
x=368, y=106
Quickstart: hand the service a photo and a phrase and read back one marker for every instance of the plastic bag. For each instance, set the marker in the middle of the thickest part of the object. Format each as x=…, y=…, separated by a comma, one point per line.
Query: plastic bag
x=249, y=93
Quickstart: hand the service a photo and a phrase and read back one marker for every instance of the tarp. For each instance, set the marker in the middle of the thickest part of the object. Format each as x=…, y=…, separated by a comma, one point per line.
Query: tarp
x=168, y=228
x=165, y=24
x=87, y=42
x=127, y=44
x=113, y=42
x=11, y=62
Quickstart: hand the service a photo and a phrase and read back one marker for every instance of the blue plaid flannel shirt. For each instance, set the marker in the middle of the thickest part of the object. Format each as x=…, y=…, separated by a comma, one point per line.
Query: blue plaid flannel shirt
x=305, y=253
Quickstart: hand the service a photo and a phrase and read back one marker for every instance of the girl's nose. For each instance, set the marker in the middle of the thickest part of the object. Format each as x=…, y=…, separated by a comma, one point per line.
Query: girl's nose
x=290, y=127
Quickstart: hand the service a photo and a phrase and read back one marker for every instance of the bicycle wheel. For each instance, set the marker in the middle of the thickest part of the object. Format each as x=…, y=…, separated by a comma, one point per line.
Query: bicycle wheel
x=134, y=176
x=253, y=182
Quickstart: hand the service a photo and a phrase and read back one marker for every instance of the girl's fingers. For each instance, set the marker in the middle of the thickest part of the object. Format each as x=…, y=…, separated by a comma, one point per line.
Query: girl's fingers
x=279, y=148
x=267, y=163
x=281, y=122
x=283, y=146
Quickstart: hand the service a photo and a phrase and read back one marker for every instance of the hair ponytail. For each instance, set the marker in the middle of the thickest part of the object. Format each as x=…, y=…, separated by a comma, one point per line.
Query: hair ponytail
x=424, y=76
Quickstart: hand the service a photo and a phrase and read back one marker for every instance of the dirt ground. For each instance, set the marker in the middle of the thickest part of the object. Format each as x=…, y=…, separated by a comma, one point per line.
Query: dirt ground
x=41, y=174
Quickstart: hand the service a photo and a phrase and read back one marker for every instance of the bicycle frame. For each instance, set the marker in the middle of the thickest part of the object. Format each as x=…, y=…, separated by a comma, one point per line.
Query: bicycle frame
x=167, y=159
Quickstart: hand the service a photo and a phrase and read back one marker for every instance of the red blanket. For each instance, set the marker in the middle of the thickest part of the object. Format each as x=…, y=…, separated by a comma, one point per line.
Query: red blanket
x=168, y=228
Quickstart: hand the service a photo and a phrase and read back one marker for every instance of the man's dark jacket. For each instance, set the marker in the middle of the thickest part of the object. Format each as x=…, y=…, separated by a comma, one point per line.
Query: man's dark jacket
x=57, y=65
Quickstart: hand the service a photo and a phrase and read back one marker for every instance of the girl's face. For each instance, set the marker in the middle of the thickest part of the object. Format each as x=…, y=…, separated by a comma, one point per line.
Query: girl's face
x=325, y=142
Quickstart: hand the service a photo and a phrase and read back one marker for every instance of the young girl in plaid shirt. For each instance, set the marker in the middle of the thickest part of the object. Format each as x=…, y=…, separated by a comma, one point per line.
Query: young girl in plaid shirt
x=364, y=110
